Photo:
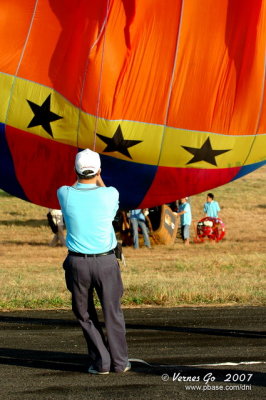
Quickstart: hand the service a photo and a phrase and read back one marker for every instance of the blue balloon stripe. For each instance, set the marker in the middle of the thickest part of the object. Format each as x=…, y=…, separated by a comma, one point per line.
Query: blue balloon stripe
x=246, y=169
x=8, y=179
x=132, y=180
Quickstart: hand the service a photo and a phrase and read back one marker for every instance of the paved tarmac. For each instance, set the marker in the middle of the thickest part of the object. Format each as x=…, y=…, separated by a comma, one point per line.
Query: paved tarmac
x=178, y=353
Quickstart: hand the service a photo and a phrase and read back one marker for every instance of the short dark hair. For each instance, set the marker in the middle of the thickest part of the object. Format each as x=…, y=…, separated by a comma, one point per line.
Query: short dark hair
x=86, y=174
x=211, y=195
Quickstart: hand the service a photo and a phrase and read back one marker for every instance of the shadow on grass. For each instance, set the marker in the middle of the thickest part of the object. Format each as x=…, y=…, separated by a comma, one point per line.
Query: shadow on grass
x=4, y=194
x=35, y=223
x=23, y=243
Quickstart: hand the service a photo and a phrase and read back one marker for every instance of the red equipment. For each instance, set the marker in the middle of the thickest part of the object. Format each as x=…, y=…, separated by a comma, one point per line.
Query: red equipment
x=211, y=228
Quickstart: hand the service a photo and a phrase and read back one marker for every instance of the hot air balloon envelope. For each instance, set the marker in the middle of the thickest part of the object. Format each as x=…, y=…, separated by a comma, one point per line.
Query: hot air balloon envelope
x=171, y=94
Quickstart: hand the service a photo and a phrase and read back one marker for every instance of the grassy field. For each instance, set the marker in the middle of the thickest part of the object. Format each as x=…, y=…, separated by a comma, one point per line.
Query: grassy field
x=229, y=272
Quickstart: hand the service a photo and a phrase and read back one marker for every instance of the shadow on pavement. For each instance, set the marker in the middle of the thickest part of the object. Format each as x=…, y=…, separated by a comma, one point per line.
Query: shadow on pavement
x=43, y=323
x=74, y=362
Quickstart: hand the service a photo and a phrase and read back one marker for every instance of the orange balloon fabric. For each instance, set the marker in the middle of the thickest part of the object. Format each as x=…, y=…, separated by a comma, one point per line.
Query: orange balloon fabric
x=170, y=93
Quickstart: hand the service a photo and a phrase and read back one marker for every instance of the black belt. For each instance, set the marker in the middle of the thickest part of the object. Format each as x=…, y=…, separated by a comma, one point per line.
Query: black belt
x=73, y=253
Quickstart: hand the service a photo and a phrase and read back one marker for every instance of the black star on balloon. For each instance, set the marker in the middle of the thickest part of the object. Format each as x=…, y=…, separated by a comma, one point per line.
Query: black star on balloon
x=204, y=153
x=42, y=115
x=118, y=143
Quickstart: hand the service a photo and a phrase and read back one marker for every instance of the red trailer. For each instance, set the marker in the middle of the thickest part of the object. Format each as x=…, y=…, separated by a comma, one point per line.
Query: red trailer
x=210, y=228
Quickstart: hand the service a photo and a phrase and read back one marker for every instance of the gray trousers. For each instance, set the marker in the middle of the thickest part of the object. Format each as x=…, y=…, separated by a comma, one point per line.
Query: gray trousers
x=83, y=275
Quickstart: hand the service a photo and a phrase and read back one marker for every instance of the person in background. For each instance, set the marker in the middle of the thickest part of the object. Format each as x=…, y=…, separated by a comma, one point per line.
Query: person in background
x=89, y=208
x=174, y=206
x=57, y=226
x=211, y=207
x=125, y=231
x=184, y=211
x=137, y=219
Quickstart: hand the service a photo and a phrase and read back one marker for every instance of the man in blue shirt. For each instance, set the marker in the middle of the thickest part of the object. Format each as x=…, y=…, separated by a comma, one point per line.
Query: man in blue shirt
x=89, y=208
x=211, y=207
x=184, y=211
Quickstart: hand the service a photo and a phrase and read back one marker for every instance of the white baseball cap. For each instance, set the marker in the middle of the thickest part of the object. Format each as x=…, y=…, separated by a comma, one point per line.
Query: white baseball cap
x=87, y=160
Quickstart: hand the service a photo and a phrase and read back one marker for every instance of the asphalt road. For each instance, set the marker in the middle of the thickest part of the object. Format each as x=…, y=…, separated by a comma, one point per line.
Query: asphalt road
x=178, y=353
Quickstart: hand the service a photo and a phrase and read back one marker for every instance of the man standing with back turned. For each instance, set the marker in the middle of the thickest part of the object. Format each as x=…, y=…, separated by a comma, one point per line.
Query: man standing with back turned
x=89, y=209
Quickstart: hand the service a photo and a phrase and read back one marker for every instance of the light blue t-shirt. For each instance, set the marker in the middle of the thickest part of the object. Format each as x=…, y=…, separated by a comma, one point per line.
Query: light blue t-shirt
x=211, y=209
x=88, y=216
x=137, y=214
x=185, y=218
